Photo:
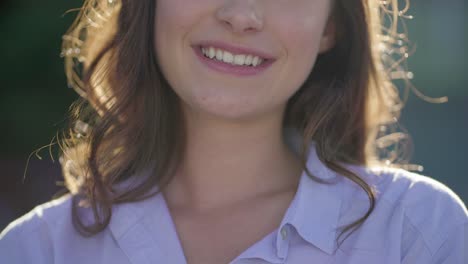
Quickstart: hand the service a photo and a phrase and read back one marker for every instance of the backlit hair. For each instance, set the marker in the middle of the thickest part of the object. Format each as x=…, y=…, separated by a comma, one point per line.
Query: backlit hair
x=128, y=120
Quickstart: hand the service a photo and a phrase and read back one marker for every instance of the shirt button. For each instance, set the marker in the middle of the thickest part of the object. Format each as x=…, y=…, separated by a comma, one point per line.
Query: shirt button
x=284, y=232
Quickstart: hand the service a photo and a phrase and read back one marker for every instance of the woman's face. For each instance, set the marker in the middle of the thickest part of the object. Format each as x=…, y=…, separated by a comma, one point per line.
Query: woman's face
x=287, y=35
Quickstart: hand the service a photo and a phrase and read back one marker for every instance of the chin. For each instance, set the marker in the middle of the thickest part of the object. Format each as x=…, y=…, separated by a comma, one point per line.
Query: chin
x=228, y=111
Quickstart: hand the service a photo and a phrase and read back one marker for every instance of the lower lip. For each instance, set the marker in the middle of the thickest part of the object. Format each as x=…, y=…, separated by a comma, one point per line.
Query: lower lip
x=231, y=68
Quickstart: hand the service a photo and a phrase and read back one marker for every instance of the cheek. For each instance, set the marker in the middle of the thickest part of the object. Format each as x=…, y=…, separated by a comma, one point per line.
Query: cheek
x=301, y=38
x=170, y=19
x=180, y=14
x=173, y=10
x=301, y=26
x=300, y=33
x=173, y=19
x=302, y=44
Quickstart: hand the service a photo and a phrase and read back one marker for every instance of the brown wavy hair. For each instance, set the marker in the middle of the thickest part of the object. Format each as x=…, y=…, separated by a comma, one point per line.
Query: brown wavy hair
x=128, y=119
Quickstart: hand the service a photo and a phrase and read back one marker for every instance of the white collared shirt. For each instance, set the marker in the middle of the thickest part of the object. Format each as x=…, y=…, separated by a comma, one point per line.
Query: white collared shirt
x=416, y=220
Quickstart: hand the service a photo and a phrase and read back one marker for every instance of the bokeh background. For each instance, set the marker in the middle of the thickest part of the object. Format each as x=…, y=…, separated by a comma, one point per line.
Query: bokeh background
x=34, y=97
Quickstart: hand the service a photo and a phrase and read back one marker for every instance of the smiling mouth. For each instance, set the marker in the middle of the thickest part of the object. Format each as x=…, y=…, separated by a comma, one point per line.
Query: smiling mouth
x=233, y=60
x=227, y=57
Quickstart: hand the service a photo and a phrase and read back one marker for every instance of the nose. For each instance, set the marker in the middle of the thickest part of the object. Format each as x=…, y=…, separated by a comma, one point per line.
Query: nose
x=240, y=16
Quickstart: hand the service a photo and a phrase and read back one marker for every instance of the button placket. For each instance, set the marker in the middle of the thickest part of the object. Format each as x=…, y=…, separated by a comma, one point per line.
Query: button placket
x=284, y=232
x=283, y=242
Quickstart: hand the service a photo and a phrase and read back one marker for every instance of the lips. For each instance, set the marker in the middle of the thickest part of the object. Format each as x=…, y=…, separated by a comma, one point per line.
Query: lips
x=230, y=65
x=235, y=49
x=229, y=68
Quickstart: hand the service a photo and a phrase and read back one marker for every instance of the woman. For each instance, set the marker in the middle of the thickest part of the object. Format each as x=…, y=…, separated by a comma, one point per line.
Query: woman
x=237, y=131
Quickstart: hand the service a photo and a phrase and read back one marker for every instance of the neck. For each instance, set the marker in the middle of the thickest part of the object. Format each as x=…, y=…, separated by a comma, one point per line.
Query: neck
x=228, y=162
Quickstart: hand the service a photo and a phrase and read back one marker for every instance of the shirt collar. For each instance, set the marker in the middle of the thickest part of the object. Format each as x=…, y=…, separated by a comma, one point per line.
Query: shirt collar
x=145, y=232
x=314, y=211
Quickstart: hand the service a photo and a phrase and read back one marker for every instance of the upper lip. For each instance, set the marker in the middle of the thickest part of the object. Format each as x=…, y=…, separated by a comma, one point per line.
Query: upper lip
x=235, y=49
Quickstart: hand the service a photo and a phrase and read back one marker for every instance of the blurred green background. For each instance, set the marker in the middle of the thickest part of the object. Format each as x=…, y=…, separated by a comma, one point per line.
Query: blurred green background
x=34, y=96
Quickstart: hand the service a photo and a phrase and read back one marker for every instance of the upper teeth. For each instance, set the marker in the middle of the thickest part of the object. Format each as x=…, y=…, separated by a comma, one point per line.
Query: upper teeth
x=227, y=57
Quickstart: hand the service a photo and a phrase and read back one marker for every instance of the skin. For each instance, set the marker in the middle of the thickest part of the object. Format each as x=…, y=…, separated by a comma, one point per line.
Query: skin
x=235, y=152
x=234, y=124
x=236, y=166
x=291, y=31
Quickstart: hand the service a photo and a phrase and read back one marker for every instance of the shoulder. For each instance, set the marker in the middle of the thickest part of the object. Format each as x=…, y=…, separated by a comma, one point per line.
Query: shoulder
x=50, y=213
x=410, y=191
x=422, y=210
x=418, y=195
x=30, y=237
